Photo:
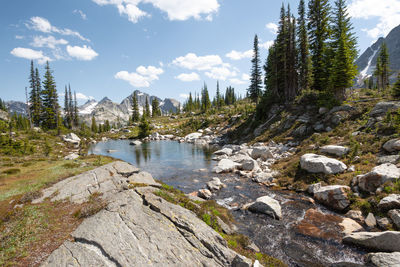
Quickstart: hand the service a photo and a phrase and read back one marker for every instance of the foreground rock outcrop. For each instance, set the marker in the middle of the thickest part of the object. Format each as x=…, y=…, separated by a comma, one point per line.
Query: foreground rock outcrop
x=320, y=164
x=137, y=228
x=380, y=241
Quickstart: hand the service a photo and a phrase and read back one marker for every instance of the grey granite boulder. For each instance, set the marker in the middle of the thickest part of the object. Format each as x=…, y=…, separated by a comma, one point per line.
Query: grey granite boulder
x=380, y=241
x=267, y=205
x=390, y=202
x=392, y=145
x=384, y=259
x=378, y=176
x=334, y=196
x=320, y=164
x=335, y=150
x=395, y=216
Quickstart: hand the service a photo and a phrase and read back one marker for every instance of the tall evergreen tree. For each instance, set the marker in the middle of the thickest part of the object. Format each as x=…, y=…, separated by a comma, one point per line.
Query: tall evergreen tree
x=254, y=91
x=34, y=96
x=67, y=109
x=135, y=108
x=319, y=34
x=396, y=88
x=344, y=47
x=205, y=99
x=382, y=67
x=37, y=111
x=304, y=63
x=147, y=108
x=50, y=111
x=155, y=107
x=94, y=125
x=218, y=97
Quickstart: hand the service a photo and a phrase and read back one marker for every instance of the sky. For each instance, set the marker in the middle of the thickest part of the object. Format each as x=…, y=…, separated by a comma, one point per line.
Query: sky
x=166, y=48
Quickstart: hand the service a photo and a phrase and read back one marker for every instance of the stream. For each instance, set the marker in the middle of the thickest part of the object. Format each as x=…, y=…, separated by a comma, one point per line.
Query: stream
x=307, y=235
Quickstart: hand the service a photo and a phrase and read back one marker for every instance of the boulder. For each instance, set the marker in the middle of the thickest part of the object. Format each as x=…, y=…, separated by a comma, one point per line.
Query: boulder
x=387, y=241
x=3, y=115
x=392, y=145
x=388, y=159
x=335, y=150
x=267, y=205
x=262, y=152
x=135, y=143
x=143, y=178
x=349, y=226
x=264, y=177
x=215, y=184
x=224, y=151
x=71, y=156
x=383, y=223
x=249, y=165
x=320, y=164
x=205, y=193
x=382, y=108
x=384, y=259
x=334, y=196
x=200, y=142
x=355, y=215
x=191, y=137
x=379, y=175
x=395, y=216
x=225, y=165
x=390, y=202
x=72, y=139
x=312, y=188
x=370, y=221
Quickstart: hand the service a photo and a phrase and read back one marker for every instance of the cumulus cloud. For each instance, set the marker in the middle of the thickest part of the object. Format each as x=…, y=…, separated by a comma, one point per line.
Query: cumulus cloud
x=142, y=77
x=193, y=62
x=43, y=25
x=245, y=77
x=272, y=27
x=50, y=42
x=387, y=12
x=266, y=45
x=221, y=73
x=175, y=9
x=30, y=54
x=236, y=55
x=188, y=77
x=80, y=12
x=83, y=97
x=82, y=53
x=237, y=81
x=184, y=96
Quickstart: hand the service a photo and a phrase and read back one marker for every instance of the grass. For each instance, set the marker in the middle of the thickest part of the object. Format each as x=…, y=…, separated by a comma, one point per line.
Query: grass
x=208, y=211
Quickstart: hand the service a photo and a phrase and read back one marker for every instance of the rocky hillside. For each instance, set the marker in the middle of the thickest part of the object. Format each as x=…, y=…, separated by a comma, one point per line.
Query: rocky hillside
x=17, y=107
x=367, y=61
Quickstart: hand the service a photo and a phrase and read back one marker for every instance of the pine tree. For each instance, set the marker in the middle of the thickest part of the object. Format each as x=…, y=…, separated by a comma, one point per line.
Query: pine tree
x=271, y=72
x=94, y=125
x=304, y=63
x=190, y=103
x=50, y=111
x=107, y=127
x=396, y=88
x=135, y=108
x=292, y=75
x=38, y=104
x=382, y=68
x=34, y=96
x=205, y=99
x=147, y=109
x=319, y=34
x=144, y=128
x=155, y=107
x=67, y=110
x=254, y=90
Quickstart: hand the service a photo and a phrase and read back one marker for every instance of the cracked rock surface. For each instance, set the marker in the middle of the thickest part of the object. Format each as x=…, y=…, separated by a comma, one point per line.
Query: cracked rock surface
x=137, y=228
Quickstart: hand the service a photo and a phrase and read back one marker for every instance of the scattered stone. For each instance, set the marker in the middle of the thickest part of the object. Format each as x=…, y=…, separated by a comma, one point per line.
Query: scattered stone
x=264, y=177
x=352, y=168
x=225, y=165
x=383, y=223
x=135, y=143
x=320, y=164
x=379, y=241
x=191, y=137
x=72, y=156
x=312, y=188
x=225, y=227
x=143, y=178
x=267, y=205
x=388, y=159
x=390, y=202
x=395, y=216
x=349, y=226
x=379, y=175
x=384, y=259
x=249, y=165
x=334, y=196
x=355, y=215
x=205, y=193
x=253, y=247
x=262, y=152
x=392, y=145
x=215, y=184
x=224, y=151
x=370, y=221
x=335, y=150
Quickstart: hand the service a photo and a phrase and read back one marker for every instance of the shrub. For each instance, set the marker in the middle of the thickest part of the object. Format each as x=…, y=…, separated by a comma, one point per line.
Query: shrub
x=12, y=171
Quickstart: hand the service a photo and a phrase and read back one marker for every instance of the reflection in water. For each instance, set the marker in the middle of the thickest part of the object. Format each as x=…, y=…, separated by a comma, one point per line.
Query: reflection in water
x=171, y=162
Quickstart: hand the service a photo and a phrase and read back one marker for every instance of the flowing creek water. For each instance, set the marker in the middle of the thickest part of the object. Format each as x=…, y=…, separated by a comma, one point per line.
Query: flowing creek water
x=307, y=235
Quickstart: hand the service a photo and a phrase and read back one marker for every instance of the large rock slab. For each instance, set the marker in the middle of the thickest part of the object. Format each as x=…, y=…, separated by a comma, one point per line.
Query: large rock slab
x=384, y=259
x=143, y=230
x=225, y=165
x=335, y=150
x=390, y=202
x=380, y=241
x=320, y=164
x=143, y=178
x=378, y=176
x=267, y=205
x=334, y=196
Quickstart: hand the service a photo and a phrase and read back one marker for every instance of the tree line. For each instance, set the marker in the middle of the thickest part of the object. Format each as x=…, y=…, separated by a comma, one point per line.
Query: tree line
x=314, y=52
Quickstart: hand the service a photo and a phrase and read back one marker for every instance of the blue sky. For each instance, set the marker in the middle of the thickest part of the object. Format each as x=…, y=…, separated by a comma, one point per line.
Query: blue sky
x=162, y=47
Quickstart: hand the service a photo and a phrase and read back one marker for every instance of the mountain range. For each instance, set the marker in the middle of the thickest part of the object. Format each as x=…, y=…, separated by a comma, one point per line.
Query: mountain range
x=107, y=109
x=367, y=61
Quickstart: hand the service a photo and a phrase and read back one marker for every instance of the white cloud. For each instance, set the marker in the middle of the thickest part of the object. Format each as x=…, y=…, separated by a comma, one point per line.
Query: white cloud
x=272, y=27
x=142, y=77
x=19, y=37
x=188, y=77
x=236, y=55
x=220, y=73
x=30, y=54
x=245, y=77
x=80, y=12
x=193, y=62
x=50, y=42
x=387, y=12
x=43, y=25
x=82, y=53
x=266, y=45
x=83, y=97
x=175, y=9
x=184, y=96
x=237, y=81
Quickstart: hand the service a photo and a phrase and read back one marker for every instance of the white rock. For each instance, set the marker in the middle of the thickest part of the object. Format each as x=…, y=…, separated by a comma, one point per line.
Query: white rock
x=215, y=184
x=312, y=188
x=225, y=165
x=380, y=241
x=261, y=152
x=382, y=259
x=72, y=156
x=395, y=216
x=267, y=205
x=320, y=164
x=205, y=193
x=135, y=143
x=191, y=137
x=334, y=196
x=392, y=145
x=335, y=150
x=370, y=221
x=224, y=151
x=390, y=202
x=349, y=226
x=379, y=175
